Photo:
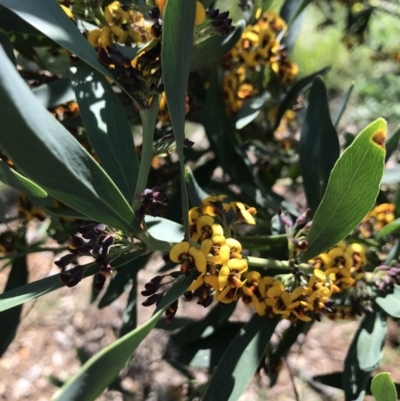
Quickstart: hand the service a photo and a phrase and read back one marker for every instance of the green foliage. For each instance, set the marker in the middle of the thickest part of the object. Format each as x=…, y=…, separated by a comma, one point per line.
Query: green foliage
x=101, y=104
x=364, y=355
x=358, y=170
x=383, y=388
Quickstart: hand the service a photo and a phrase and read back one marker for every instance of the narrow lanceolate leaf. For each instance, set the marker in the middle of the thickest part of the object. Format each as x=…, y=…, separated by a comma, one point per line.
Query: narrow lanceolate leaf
x=7, y=46
x=48, y=17
x=352, y=190
x=240, y=360
x=196, y=193
x=101, y=370
x=18, y=277
x=364, y=355
x=204, y=327
x=18, y=181
x=392, y=228
x=176, y=54
x=55, y=93
x=342, y=107
x=319, y=145
x=107, y=126
x=383, y=388
x=392, y=142
x=25, y=293
x=48, y=154
x=211, y=50
x=391, y=303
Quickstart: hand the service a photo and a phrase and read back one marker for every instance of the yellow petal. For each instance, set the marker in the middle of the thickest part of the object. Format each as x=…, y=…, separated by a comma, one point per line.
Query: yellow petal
x=234, y=244
x=177, y=250
x=212, y=281
x=200, y=13
x=223, y=277
x=199, y=260
x=196, y=284
x=206, y=246
x=319, y=275
x=224, y=253
x=238, y=265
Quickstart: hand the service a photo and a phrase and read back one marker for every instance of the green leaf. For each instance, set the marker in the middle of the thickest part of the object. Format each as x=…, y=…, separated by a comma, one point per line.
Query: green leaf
x=383, y=388
x=205, y=352
x=55, y=93
x=101, y=370
x=364, y=355
x=129, y=318
x=392, y=142
x=177, y=44
x=319, y=145
x=392, y=228
x=48, y=17
x=18, y=181
x=17, y=277
x=107, y=126
x=294, y=92
x=8, y=47
x=41, y=287
x=206, y=326
x=240, y=360
x=291, y=12
x=209, y=51
x=335, y=380
x=163, y=229
x=299, y=6
x=56, y=161
x=251, y=109
x=351, y=192
x=342, y=106
x=391, y=303
x=196, y=193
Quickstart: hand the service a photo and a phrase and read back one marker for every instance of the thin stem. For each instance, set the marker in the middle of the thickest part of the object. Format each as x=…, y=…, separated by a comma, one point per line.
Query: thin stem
x=275, y=264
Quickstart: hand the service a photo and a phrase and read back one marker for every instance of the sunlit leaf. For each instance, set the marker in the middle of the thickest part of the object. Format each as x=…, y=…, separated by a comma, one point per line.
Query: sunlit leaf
x=48, y=17
x=383, y=388
x=16, y=180
x=101, y=370
x=391, y=303
x=55, y=93
x=41, y=287
x=107, y=126
x=55, y=160
x=351, y=192
x=178, y=24
x=364, y=355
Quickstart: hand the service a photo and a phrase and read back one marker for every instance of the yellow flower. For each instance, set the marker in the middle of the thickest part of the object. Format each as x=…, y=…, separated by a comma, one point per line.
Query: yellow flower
x=200, y=13
x=189, y=257
x=243, y=212
x=230, y=273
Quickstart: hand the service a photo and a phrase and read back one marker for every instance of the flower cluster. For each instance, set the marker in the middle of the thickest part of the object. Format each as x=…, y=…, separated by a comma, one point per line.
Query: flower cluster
x=213, y=256
x=344, y=263
x=258, y=47
x=375, y=220
x=123, y=27
x=96, y=241
x=211, y=252
x=290, y=298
